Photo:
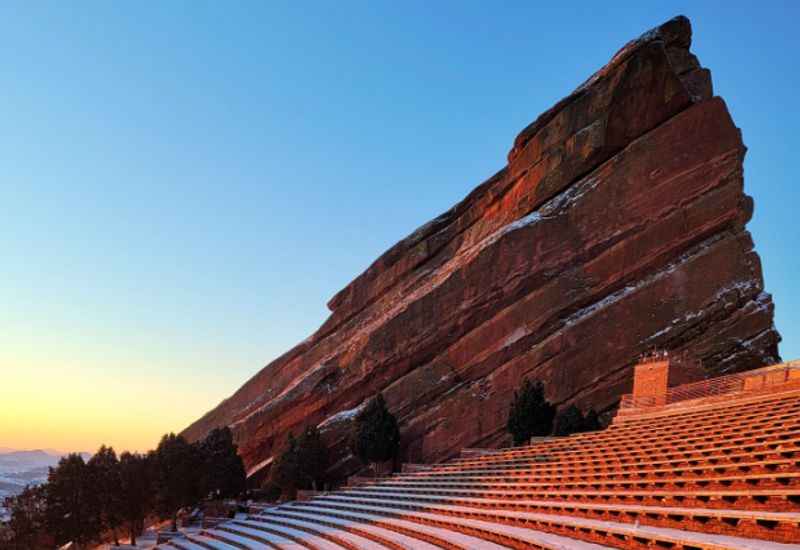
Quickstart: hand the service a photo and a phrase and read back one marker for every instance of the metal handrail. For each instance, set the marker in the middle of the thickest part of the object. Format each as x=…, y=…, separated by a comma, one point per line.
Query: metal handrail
x=754, y=380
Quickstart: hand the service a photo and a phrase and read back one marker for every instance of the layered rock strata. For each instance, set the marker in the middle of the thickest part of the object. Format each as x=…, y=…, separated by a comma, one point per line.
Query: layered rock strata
x=617, y=226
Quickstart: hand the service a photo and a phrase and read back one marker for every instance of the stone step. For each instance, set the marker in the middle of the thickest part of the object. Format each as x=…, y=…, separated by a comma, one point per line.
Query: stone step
x=788, y=449
x=631, y=450
x=468, y=533
x=384, y=537
x=341, y=537
x=264, y=536
x=696, y=471
x=769, y=525
x=263, y=529
x=213, y=543
x=594, y=531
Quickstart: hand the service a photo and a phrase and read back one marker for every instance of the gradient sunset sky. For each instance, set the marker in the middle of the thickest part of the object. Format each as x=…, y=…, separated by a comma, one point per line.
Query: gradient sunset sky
x=184, y=185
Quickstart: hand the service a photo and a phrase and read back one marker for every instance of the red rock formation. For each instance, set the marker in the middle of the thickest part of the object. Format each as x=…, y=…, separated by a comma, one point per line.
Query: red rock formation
x=617, y=226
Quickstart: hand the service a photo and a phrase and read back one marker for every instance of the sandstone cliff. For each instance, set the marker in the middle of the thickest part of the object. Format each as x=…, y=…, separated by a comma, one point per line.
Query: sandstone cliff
x=618, y=225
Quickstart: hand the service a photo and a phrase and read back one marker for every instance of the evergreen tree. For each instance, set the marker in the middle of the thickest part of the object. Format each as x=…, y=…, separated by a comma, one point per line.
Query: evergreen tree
x=224, y=474
x=136, y=490
x=376, y=435
x=572, y=421
x=72, y=509
x=178, y=470
x=104, y=474
x=312, y=457
x=302, y=465
x=285, y=471
x=568, y=422
x=591, y=421
x=530, y=413
x=28, y=519
x=7, y=536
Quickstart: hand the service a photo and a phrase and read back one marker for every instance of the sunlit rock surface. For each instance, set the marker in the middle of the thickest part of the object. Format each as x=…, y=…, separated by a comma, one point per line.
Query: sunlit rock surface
x=617, y=226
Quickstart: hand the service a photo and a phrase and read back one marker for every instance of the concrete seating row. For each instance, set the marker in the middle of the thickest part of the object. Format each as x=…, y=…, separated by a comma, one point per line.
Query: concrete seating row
x=764, y=524
x=606, y=533
x=619, y=437
x=652, y=451
x=777, y=407
x=722, y=477
x=624, y=446
x=697, y=470
x=726, y=453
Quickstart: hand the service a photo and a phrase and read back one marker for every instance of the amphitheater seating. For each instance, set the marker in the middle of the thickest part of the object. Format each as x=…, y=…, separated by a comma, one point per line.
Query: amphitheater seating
x=705, y=474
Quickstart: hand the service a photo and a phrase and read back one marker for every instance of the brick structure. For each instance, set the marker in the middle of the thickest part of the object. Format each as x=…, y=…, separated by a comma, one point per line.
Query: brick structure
x=651, y=379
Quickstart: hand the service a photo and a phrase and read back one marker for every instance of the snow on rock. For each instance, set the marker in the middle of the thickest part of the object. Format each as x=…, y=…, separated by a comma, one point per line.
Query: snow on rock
x=342, y=416
x=621, y=210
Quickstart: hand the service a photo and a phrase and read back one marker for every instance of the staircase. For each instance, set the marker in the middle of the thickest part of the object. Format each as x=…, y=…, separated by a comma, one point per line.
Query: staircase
x=708, y=473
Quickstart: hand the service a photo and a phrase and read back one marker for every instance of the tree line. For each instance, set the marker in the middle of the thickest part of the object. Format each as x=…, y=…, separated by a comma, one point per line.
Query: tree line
x=304, y=462
x=375, y=437
x=85, y=501
x=532, y=415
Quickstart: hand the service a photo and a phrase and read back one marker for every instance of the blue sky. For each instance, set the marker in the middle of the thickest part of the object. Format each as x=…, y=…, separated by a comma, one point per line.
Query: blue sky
x=184, y=185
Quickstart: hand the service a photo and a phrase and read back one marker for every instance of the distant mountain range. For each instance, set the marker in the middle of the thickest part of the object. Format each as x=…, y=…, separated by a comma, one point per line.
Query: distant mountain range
x=51, y=452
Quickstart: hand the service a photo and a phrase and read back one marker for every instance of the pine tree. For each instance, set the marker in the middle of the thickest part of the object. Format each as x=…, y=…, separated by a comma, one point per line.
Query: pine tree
x=530, y=413
x=302, y=464
x=285, y=471
x=28, y=519
x=313, y=458
x=224, y=474
x=591, y=421
x=178, y=468
x=570, y=421
x=136, y=490
x=7, y=535
x=72, y=508
x=104, y=474
x=376, y=435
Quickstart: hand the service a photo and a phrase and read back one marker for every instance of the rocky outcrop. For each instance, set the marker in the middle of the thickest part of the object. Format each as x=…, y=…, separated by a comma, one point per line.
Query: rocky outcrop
x=617, y=226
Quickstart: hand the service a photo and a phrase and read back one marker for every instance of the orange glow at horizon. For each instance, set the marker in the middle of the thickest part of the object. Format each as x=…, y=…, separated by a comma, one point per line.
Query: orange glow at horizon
x=78, y=409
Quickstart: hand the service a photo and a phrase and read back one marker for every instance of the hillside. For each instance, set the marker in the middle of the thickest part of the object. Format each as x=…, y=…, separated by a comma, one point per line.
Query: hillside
x=618, y=225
